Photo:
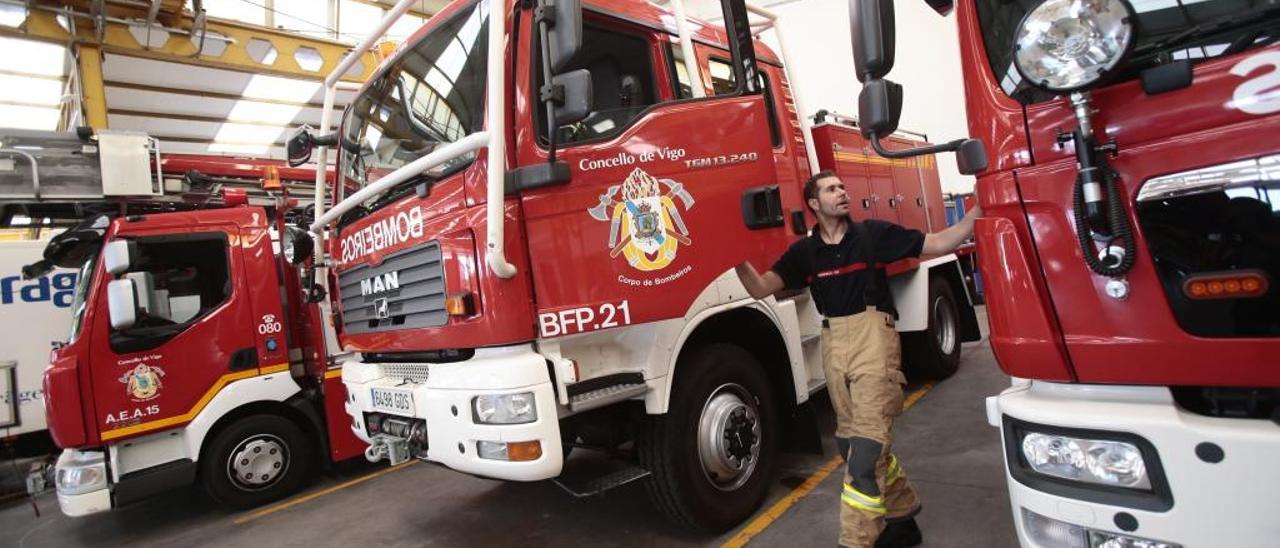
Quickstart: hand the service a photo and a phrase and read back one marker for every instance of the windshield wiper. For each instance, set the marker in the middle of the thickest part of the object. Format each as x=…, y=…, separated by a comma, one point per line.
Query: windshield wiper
x=399, y=191
x=1225, y=23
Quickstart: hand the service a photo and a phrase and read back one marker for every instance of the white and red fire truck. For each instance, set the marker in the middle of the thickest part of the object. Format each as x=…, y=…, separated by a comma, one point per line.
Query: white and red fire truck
x=538, y=211
x=194, y=353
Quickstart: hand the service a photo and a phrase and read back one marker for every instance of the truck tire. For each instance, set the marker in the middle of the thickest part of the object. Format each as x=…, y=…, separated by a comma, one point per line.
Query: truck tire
x=712, y=454
x=256, y=460
x=934, y=354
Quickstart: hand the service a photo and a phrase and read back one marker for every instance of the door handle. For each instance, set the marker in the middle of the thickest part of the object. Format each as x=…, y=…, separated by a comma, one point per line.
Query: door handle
x=762, y=207
x=243, y=359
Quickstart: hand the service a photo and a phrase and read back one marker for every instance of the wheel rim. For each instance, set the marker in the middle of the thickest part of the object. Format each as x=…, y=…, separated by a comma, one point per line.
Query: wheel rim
x=729, y=437
x=944, y=324
x=258, y=462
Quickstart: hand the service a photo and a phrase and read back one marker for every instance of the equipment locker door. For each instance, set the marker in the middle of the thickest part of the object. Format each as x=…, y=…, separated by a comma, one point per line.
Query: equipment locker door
x=655, y=209
x=193, y=336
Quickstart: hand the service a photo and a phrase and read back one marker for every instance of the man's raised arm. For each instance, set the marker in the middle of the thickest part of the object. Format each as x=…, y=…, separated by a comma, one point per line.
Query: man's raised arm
x=759, y=285
x=946, y=241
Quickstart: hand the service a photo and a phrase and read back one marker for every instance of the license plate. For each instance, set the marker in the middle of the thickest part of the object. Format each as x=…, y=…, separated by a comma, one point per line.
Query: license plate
x=390, y=400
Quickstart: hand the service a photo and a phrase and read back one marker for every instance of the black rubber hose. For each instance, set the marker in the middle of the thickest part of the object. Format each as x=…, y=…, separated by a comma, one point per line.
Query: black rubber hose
x=1118, y=220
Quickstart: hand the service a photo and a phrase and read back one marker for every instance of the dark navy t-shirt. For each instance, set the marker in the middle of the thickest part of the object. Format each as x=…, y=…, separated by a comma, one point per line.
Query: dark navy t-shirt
x=834, y=273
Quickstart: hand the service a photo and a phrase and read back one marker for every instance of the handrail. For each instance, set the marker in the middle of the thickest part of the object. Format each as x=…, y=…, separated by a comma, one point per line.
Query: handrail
x=35, y=168
x=496, y=126
x=806, y=128
x=326, y=114
x=493, y=138
x=470, y=143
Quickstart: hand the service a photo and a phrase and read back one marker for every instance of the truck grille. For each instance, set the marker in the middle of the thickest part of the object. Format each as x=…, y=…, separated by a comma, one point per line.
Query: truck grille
x=414, y=372
x=405, y=291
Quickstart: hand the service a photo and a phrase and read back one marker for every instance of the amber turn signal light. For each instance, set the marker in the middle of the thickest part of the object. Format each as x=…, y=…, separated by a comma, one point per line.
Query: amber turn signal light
x=523, y=451
x=460, y=304
x=1236, y=284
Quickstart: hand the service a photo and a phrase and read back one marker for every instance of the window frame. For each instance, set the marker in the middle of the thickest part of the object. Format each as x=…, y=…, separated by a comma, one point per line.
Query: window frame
x=665, y=39
x=137, y=339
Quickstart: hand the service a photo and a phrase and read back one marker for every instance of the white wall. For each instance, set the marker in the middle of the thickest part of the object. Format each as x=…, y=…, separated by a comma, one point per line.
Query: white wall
x=927, y=65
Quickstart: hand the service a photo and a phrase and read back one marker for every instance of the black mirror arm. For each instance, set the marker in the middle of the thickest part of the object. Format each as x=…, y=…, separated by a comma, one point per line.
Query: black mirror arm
x=326, y=140
x=950, y=146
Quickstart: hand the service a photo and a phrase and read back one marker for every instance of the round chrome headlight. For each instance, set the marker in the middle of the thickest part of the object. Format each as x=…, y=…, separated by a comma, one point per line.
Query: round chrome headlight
x=1066, y=45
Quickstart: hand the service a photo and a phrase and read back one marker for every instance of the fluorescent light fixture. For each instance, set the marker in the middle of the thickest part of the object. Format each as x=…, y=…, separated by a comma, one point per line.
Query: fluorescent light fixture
x=24, y=117
x=11, y=15
x=30, y=57
x=36, y=91
x=276, y=88
x=265, y=113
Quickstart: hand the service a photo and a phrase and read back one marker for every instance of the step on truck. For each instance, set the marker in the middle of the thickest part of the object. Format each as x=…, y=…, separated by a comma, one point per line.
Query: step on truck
x=538, y=211
x=1130, y=254
x=194, y=354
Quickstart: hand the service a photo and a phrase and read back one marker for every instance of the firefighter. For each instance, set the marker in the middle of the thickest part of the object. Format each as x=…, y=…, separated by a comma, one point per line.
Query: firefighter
x=861, y=351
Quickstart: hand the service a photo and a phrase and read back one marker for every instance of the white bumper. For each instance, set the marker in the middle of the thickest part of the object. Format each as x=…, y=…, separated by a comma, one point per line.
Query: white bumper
x=1229, y=503
x=444, y=401
x=82, y=483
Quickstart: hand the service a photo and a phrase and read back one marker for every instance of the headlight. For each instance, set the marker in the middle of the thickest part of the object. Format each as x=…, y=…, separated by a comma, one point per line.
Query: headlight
x=505, y=408
x=1102, y=462
x=1066, y=45
x=80, y=472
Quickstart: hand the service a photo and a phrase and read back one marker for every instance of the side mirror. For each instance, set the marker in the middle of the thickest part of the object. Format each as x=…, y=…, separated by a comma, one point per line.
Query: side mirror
x=299, y=146
x=879, y=108
x=118, y=256
x=872, y=26
x=122, y=303
x=573, y=100
x=971, y=157
x=564, y=24
x=296, y=245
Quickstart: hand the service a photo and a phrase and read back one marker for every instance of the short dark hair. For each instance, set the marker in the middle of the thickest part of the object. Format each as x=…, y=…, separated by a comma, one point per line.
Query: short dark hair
x=811, y=186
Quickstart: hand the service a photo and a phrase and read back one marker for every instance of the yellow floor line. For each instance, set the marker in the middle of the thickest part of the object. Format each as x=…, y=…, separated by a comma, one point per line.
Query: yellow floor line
x=764, y=520
x=311, y=496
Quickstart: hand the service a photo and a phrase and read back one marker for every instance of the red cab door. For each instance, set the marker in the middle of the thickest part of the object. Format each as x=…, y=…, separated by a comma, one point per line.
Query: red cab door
x=193, y=334
x=656, y=209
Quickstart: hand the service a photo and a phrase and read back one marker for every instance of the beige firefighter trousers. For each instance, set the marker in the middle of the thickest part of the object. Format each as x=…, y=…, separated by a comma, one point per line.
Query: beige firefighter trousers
x=862, y=357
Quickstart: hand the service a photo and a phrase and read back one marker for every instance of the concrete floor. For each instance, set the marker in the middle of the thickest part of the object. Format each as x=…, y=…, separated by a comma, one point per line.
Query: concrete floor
x=948, y=451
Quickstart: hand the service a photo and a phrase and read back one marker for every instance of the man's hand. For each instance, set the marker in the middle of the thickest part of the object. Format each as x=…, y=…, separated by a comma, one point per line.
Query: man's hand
x=946, y=241
x=759, y=286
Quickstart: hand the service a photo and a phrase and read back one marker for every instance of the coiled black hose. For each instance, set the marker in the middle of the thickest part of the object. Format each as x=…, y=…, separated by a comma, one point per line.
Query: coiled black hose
x=1118, y=224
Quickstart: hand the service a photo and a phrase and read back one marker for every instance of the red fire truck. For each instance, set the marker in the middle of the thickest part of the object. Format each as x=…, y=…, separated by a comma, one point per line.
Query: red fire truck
x=1130, y=253
x=194, y=354
x=549, y=265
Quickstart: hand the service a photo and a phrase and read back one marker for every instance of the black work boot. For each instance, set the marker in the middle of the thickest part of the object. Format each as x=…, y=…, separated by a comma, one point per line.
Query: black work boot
x=900, y=534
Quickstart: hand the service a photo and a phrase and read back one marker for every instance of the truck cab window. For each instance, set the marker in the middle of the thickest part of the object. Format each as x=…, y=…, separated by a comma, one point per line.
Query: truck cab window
x=178, y=280
x=622, y=81
x=432, y=96
x=723, y=80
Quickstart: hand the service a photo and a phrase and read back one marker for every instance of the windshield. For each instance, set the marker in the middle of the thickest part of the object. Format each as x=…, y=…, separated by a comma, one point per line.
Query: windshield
x=432, y=96
x=78, y=302
x=1166, y=30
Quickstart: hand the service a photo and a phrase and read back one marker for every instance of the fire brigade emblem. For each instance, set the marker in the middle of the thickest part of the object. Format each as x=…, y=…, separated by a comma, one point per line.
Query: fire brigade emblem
x=143, y=382
x=645, y=223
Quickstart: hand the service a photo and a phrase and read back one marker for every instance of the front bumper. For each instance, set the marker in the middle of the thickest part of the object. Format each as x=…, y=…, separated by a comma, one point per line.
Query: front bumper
x=82, y=483
x=444, y=401
x=1232, y=502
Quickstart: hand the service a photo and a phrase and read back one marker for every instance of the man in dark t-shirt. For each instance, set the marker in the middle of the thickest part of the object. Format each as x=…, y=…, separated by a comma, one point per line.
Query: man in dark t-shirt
x=841, y=263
